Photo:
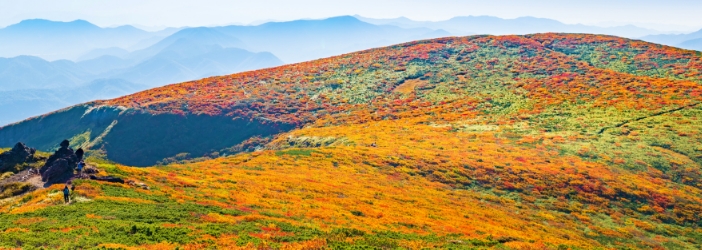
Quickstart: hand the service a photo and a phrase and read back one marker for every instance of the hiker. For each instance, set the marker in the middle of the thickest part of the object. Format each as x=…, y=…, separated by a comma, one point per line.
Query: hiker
x=374, y=145
x=66, y=192
x=81, y=164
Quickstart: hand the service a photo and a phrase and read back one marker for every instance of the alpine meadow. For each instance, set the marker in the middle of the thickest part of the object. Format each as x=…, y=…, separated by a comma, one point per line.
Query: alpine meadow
x=542, y=141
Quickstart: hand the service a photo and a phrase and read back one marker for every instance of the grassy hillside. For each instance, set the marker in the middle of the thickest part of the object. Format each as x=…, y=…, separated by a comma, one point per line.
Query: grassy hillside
x=551, y=141
x=608, y=79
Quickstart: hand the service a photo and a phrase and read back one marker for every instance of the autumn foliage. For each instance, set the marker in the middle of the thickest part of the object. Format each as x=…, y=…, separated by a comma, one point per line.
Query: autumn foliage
x=547, y=141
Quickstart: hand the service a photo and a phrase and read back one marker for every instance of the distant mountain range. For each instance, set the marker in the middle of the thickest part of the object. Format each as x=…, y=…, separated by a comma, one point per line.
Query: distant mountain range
x=53, y=40
x=691, y=41
x=186, y=55
x=305, y=40
x=468, y=25
x=31, y=85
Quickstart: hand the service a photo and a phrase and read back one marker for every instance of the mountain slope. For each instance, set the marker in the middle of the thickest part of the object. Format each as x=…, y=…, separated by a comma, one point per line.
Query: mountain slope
x=538, y=141
x=346, y=83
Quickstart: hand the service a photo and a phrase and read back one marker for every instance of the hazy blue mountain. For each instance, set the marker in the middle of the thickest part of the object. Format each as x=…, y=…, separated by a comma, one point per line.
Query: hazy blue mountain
x=199, y=36
x=673, y=38
x=180, y=56
x=104, y=64
x=680, y=40
x=204, y=35
x=694, y=44
x=399, y=22
x=188, y=41
x=303, y=40
x=21, y=104
x=146, y=43
x=187, y=54
x=112, y=51
x=63, y=83
x=31, y=86
x=24, y=72
x=467, y=25
x=187, y=59
x=53, y=40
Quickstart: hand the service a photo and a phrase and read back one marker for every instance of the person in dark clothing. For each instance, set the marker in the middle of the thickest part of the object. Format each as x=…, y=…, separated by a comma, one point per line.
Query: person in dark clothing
x=66, y=192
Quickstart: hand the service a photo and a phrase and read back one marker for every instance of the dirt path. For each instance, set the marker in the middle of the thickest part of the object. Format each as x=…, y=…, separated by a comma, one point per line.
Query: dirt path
x=649, y=116
x=36, y=181
x=23, y=176
x=30, y=176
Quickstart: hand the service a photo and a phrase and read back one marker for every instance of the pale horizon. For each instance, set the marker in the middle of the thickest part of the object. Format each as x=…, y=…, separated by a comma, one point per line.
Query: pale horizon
x=666, y=16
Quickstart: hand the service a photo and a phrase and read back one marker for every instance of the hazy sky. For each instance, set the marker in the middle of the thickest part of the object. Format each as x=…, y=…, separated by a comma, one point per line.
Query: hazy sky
x=660, y=14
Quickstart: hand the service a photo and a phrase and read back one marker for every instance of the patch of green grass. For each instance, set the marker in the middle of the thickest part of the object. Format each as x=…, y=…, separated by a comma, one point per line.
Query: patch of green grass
x=5, y=175
x=357, y=213
x=255, y=168
x=14, y=188
x=107, y=166
x=115, y=191
x=134, y=224
x=110, y=222
x=295, y=152
x=81, y=140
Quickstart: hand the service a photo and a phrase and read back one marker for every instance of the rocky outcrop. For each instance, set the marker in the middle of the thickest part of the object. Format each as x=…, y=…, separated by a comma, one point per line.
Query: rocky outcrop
x=138, y=184
x=79, y=154
x=90, y=170
x=59, y=167
x=107, y=179
x=19, y=154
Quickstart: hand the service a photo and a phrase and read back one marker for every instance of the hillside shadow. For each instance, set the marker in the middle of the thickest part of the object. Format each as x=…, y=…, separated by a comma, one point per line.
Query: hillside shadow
x=143, y=139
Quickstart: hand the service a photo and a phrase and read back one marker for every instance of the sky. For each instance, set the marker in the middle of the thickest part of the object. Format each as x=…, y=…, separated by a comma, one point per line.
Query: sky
x=665, y=15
